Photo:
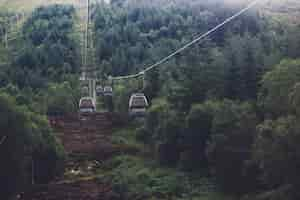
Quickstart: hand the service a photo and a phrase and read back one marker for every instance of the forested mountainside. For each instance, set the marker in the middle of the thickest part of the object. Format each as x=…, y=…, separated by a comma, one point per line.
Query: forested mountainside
x=279, y=10
x=29, y=5
x=285, y=10
x=213, y=105
x=288, y=9
x=223, y=121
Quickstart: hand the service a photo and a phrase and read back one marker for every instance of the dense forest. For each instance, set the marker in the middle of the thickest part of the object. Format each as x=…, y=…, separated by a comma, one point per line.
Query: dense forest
x=226, y=109
x=227, y=106
x=37, y=72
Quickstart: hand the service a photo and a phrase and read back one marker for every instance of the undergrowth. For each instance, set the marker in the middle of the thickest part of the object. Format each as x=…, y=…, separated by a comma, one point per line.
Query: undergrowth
x=137, y=177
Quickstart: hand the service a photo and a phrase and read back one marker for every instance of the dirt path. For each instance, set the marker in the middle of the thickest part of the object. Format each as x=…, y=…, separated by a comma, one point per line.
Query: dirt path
x=85, y=136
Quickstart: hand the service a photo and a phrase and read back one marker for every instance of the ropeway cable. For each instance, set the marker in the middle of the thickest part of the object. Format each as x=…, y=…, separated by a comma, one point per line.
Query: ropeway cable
x=250, y=5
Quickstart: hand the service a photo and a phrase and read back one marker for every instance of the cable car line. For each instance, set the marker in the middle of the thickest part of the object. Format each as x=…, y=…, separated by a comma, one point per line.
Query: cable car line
x=165, y=59
x=138, y=102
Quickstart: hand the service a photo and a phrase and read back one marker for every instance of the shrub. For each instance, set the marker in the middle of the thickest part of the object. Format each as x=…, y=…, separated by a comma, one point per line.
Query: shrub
x=229, y=151
x=63, y=98
x=195, y=137
x=23, y=135
x=133, y=178
x=277, y=85
x=277, y=153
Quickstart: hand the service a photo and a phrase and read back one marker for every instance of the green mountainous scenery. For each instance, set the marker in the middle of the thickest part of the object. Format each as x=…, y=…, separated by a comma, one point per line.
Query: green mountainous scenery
x=149, y=100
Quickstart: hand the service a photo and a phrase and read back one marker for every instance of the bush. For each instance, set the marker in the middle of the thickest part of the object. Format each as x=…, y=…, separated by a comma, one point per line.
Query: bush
x=277, y=152
x=133, y=178
x=63, y=98
x=155, y=119
x=48, y=153
x=163, y=131
x=196, y=135
x=230, y=148
x=277, y=85
x=23, y=135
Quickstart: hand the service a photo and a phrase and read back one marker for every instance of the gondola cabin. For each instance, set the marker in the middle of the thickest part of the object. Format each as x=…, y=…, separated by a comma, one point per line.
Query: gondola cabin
x=87, y=105
x=138, y=105
x=99, y=91
x=108, y=91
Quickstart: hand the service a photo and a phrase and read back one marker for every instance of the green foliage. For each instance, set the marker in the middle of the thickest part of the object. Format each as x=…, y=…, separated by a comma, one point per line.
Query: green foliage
x=63, y=98
x=196, y=136
x=277, y=85
x=229, y=150
x=135, y=178
x=212, y=97
x=245, y=57
x=15, y=133
x=49, y=50
x=24, y=135
x=128, y=38
x=277, y=153
x=229, y=64
x=294, y=99
x=4, y=22
x=223, y=129
x=152, y=84
x=48, y=153
x=222, y=135
x=292, y=42
x=56, y=99
x=162, y=131
x=127, y=137
x=190, y=124
x=168, y=147
x=135, y=175
x=131, y=177
x=155, y=116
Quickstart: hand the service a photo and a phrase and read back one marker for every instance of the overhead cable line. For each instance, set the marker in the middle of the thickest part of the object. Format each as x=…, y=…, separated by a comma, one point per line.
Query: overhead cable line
x=250, y=5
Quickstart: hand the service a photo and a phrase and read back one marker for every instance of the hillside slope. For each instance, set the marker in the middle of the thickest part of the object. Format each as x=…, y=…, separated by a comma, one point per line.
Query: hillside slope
x=284, y=10
x=29, y=5
x=279, y=9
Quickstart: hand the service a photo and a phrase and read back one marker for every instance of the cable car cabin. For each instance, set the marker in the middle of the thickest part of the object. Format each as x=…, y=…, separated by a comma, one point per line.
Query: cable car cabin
x=87, y=105
x=107, y=91
x=99, y=90
x=138, y=104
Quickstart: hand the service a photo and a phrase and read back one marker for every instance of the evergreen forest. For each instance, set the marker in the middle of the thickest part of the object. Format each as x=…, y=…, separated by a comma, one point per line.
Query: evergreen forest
x=223, y=121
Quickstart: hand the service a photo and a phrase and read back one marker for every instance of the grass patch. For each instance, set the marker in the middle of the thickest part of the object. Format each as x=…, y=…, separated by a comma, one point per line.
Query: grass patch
x=127, y=137
x=134, y=177
x=140, y=177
